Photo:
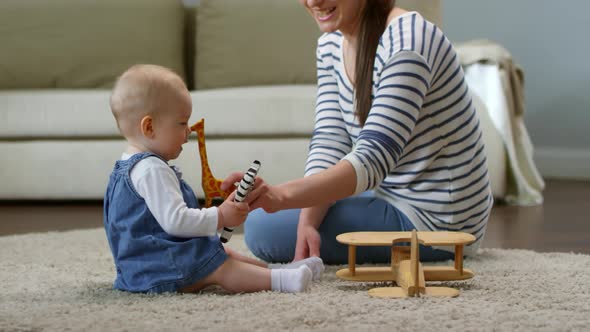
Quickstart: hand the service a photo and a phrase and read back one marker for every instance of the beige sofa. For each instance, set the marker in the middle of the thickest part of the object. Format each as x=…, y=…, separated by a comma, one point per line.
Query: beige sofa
x=250, y=65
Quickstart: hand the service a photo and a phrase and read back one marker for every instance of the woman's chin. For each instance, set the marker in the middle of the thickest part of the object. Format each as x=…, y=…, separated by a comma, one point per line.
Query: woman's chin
x=327, y=28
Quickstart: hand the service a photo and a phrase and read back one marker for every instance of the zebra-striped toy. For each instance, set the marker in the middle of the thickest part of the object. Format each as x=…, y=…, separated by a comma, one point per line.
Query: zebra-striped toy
x=241, y=193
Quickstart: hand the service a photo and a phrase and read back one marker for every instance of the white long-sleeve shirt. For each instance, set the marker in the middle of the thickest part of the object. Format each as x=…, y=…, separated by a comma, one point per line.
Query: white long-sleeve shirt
x=158, y=185
x=421, y=147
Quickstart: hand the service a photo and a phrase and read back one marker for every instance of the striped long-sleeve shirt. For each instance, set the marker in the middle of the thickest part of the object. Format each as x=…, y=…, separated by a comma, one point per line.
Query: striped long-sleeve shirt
x=421, y=147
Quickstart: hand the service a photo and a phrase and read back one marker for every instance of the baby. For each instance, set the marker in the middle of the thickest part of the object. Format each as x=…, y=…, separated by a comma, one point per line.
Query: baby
x=160, y=240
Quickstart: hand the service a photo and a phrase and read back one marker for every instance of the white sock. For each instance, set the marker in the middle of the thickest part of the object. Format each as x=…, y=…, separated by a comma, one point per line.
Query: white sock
x=315, y=264
x=290, y=280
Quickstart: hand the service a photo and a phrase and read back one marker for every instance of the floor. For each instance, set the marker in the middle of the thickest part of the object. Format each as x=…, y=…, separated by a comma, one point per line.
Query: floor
x=560, y=224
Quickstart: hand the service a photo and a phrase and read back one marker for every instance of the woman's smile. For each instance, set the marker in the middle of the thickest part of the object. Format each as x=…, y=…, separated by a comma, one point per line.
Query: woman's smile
x=325, y=15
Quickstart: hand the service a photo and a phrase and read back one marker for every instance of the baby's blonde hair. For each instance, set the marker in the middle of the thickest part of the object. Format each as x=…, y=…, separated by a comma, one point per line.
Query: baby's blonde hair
x=139, y=91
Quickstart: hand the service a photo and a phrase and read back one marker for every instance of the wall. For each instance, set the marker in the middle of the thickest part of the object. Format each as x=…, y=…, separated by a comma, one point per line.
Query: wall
x=549, y=40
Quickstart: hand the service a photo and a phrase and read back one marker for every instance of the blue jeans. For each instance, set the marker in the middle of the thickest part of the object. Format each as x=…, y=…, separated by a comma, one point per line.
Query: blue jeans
x=272, y=237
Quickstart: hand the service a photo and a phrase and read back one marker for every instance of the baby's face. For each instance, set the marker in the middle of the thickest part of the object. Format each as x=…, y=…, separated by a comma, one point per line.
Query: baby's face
x=171, y=128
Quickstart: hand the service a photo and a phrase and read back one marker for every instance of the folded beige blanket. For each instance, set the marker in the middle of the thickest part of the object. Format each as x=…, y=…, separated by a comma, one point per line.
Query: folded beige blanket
x=499, y=82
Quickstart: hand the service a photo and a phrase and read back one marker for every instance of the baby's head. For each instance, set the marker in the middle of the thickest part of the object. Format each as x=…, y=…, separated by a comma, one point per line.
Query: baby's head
x=152, y=107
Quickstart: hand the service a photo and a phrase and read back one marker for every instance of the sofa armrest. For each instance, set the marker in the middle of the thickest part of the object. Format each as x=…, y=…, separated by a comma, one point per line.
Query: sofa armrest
x=72, y=44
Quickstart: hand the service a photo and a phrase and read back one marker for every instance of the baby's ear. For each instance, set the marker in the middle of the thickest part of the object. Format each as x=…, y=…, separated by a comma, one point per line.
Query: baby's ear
x=147, y=126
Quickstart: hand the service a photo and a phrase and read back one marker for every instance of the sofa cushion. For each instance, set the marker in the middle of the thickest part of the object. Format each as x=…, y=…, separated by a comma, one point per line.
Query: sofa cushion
x=56, y=113
x=280, y=111
x=51, y=169
x=262, y=42
x=248, y=111
x=254, y=42
x=85, y=44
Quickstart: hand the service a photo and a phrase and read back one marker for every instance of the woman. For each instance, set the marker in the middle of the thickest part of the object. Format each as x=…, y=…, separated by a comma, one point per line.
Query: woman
x=396, y=144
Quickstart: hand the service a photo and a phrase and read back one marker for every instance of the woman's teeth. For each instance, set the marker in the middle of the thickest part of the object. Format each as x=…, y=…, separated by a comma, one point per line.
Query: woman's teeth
x=326, y=13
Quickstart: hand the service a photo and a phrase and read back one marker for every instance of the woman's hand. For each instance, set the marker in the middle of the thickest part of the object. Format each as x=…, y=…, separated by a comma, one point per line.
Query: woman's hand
x=261, y=195
x=308, y=242
x=269, y=198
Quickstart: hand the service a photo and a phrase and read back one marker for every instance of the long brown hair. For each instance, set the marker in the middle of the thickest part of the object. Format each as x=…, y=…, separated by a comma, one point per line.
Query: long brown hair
x=372, y=25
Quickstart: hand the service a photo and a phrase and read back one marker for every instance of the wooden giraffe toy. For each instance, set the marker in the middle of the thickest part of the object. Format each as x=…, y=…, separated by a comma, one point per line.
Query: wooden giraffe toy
x=211, y=185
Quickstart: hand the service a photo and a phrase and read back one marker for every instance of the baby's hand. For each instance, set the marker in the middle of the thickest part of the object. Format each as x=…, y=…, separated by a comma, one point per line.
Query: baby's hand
x=230, y=213
x=260, y=188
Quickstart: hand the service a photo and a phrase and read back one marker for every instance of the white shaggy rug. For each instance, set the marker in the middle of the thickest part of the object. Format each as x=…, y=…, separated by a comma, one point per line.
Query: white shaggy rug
x=62, y=281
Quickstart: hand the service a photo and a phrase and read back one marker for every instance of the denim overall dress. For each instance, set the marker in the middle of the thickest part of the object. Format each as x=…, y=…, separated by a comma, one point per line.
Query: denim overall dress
x=147, y=259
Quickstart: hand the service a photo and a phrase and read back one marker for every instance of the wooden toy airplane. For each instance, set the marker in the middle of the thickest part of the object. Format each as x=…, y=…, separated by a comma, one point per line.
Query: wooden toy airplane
x=406, y=270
